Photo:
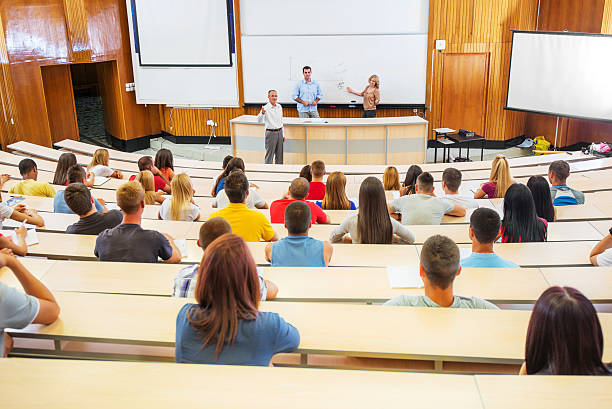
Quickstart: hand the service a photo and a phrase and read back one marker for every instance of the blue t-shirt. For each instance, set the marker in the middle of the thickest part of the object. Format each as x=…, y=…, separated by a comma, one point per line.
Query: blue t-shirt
x=353, y=207
x=298, y=251
x=486, y=260
x=60, y=206
x=220, y=186
x=256, y=342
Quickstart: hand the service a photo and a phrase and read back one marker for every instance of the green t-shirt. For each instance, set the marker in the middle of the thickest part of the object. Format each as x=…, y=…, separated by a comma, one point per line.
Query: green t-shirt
x=425, y=301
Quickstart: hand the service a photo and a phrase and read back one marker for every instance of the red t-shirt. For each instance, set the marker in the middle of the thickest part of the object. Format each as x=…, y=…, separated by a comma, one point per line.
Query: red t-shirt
x=277, y=211
x=316, y=191
x=160, y=184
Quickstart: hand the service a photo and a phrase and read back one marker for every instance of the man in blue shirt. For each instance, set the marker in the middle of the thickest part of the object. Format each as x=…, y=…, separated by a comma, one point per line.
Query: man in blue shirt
x=307, y=94
x=484, y=231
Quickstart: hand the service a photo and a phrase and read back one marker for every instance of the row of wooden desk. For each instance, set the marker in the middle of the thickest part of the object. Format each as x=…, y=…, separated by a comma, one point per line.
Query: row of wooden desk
x=68, y=384
x=331, y=284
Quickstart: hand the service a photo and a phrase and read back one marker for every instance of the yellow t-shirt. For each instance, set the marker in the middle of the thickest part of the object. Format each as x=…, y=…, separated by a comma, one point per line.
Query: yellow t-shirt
x=251, y=225
x=33, y=188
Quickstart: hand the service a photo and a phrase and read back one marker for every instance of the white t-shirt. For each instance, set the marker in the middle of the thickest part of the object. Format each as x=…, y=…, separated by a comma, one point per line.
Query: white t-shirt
x=253, y=200
x=421, y=209
x=101, y=170
x=189, y=214
x=605, y=259
x=461, y=200
x=5, y=212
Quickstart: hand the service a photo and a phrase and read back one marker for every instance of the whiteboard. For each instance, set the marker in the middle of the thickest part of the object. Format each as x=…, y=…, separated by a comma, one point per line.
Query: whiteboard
x=183, y=86
x=401, y=71
x=183, y=32
x=344, y=41
x=565, y=74
x=333, y=17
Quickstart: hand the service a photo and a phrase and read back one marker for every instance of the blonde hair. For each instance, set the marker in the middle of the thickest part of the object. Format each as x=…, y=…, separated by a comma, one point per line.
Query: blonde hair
x=147, y=181
x=129, y=196
x=335, y=193
x=500, y=174
x=100, y=157
x=376, y=80
x=391, y=180
x=182, y=192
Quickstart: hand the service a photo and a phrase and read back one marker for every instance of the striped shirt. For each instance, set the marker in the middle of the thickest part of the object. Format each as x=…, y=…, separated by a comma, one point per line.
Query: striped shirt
x=186, y=280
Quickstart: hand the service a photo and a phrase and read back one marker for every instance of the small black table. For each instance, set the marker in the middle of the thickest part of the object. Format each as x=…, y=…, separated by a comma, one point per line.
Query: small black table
x=460, y=139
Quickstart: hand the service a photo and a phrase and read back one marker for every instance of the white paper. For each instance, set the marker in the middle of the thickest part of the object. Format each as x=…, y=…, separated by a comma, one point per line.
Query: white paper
x=444, y=130
x=31, y=236
x=181, y=245
x=404, y=277
x=112, y=206
x=15, y=224
x=100, y=180
x=464, y=252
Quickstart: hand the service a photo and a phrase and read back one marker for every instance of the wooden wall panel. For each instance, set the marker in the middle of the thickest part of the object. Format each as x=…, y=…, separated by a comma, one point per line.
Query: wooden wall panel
x=478, y=26
x=590, y=16
x=464, y=91
x=8, y=131
x=57, y=85
x=76, y=24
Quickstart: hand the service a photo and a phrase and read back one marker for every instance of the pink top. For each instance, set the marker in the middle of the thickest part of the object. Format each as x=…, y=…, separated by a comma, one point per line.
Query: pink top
x=489, y=189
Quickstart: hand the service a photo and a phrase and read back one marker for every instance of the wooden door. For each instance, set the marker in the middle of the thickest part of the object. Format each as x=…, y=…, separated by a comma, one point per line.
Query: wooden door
x=465, y=79
x=59, y=98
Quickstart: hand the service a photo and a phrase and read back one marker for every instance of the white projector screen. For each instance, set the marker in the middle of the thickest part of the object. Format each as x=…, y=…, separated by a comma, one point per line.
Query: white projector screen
x=344, y=41
x=561, y=73
x=183, y=32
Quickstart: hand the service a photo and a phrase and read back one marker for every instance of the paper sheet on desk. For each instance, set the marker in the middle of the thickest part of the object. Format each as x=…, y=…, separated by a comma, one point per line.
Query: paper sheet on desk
x=31, y=236
x=181, y=245
x=100, y=180
x=112, y=206
x=15, y=224
x=404, y=277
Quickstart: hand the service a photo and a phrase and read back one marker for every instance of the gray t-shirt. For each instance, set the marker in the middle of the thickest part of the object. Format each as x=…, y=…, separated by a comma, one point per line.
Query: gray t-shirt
x=421, y=209
x=96, y=223
x=425, y=301
x=349, y=225
x=130, y=243
x=17, y=310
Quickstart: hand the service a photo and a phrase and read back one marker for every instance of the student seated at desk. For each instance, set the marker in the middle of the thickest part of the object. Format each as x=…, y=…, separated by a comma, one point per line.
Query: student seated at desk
x=18, y=310
x=251, y=225
x=484, y=231
x=164, y=161
x=18, y=212
x=372, y=224
x=601, y=255
x=521, y=223
x=253, y=200
x=297, y=192
x=306, y=173
x=410, y=181
x=424, y=207
x=561, y=193
x=229, y=163
x=79, y=200
x=499, y=180
x=297, y=249
x=391, y=180
x=564, y=336
x=64, y=163
x=180, y=206
x=439, y=266
x=99, y=165
x=335, y=194
x=185, y=280
x=128, y=242
x=451, y=180
x=76, y=174
x=147, y=181
x=225, y=326
x=540, y=191
x=29, y=185
x=160, y=181
x=316, y=190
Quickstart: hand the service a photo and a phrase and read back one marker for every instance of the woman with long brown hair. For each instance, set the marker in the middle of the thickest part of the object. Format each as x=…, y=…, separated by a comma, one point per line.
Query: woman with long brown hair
x=233, y=163
x=65, y=162
x=391, y=180
x=335, y=194
x=225, y=326
x=372, y=224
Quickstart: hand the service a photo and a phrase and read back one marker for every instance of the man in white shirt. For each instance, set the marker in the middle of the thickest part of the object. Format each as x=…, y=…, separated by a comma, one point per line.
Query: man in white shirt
x=451, y=180
x=272, y=116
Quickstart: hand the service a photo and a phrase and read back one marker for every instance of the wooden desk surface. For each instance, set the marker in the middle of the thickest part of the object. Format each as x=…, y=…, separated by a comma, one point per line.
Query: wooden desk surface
x=545, y=392
x=353, y=330
x=295, y=284
x=602, y=226
x=594, y=282
x=38, y=267
x=66, y=384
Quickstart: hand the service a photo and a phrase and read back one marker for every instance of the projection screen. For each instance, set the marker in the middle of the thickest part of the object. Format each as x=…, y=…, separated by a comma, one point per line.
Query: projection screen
x=561, y=73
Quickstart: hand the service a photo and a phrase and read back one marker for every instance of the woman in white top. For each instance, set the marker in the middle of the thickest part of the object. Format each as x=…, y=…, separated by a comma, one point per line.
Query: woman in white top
x=372, y=224
x=180, y=206
x=99, y=165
